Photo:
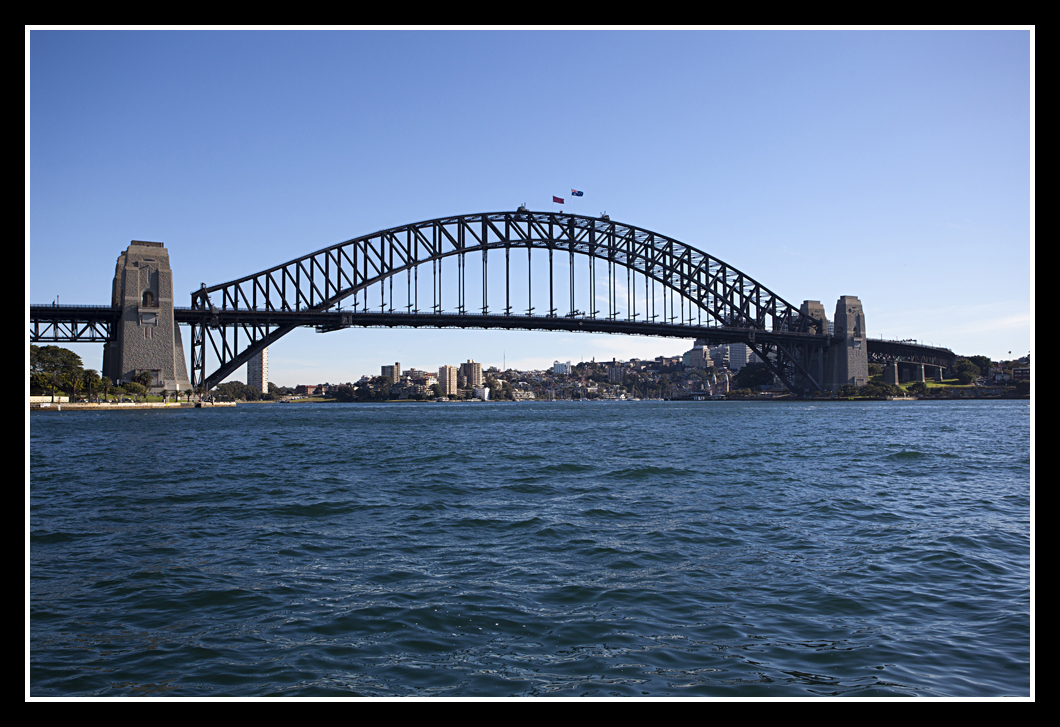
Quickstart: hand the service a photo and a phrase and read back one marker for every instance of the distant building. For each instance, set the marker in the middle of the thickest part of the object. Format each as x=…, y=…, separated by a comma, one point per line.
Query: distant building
x=482, y=392
x=447, y=379
x=733, y=356
x=392, y=372
x=739, y=356
x=561, y=368
x=258, y=371
x=720, y=357
x=698, y=357
x=473, y=372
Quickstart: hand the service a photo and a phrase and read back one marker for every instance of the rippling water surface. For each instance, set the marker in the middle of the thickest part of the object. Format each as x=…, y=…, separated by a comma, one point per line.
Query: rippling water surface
x=549, y=549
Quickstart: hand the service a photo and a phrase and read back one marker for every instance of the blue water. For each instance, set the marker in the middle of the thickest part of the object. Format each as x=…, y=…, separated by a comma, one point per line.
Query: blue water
x=533, y=549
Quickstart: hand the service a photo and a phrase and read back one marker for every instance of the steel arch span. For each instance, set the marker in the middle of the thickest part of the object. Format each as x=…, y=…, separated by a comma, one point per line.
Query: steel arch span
x=652, y=283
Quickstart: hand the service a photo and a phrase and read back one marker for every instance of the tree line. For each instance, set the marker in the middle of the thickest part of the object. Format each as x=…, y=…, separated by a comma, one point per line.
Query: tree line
x=54, y=371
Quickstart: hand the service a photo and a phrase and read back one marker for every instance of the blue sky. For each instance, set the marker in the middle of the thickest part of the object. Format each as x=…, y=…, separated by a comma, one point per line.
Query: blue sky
x=895, y=165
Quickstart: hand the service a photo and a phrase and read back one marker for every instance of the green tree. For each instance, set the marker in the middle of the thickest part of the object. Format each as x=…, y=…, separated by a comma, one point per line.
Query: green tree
x=966, y=371
x=752, y=375
x=237, y=390
x=53, y=366
x=879, y=389
x=345, y=393
x=134, y=388
x=983, y=363
x=381, y=387
x=91, y=381
x=919, y=388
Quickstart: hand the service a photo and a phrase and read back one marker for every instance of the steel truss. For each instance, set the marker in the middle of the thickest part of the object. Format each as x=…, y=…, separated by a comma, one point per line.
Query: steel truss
x=682, y=287
x=73, y=324
x=884, y=352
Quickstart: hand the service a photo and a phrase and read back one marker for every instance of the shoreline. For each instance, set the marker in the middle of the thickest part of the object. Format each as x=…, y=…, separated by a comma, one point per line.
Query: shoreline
x=139, y=406
x=124, y=406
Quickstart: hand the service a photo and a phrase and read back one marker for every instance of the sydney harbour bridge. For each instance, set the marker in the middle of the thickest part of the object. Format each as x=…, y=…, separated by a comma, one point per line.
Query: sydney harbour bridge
x=519, y=270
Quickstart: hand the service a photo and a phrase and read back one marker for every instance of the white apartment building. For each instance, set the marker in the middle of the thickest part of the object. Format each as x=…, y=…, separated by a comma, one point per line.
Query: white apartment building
x=447, y=380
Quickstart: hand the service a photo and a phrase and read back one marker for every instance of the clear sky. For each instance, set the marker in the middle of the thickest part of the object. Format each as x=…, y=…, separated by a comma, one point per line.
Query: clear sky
x=895, y=165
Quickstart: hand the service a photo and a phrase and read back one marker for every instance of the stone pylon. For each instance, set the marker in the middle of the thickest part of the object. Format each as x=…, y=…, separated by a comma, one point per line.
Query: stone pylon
x=815, y=356
x=148, y=338
x=848, y=357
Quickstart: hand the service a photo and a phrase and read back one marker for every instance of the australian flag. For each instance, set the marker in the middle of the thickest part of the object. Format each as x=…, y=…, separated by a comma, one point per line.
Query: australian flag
x=576, y=193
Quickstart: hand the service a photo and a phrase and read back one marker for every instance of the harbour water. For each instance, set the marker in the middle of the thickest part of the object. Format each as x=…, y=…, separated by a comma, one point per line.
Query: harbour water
x=637, y=549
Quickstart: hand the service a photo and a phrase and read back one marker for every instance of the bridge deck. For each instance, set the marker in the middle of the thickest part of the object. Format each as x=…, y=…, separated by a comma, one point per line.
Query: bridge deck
x=335, y=320
x=93, y=323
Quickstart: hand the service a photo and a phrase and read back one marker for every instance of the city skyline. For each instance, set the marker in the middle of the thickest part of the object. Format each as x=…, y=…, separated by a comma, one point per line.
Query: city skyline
x=894, y=165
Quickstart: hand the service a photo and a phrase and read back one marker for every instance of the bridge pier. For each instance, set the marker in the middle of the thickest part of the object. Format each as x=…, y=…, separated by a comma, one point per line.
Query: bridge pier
x=890, y=373
x=146, y=338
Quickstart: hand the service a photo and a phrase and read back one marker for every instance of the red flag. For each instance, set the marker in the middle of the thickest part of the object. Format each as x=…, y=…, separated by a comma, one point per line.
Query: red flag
x=556, y=199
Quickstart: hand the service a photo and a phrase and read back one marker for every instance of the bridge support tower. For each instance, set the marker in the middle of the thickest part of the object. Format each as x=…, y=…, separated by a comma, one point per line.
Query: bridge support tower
x=816, y=356
x=847, y=360
x=147, y=338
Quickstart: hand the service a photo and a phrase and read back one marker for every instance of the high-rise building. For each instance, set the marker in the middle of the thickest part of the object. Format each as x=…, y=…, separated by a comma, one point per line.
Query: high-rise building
x=738, y=356
x=473, y=372
x=720, y=357
x=561, y=368
x=258, y=371
x=447, y=380
x=392, y=372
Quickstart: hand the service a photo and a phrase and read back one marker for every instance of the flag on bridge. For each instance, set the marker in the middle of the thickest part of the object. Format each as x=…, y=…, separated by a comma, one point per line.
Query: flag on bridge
x=576, y=193
x=557, y=200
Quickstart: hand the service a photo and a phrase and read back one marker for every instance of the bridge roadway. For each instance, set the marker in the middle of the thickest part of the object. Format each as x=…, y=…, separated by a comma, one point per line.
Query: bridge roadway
x=325, y=321
x=94, y=323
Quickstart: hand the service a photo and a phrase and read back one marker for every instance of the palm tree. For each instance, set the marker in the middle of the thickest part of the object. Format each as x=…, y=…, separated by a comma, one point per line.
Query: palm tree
x=91, y=381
